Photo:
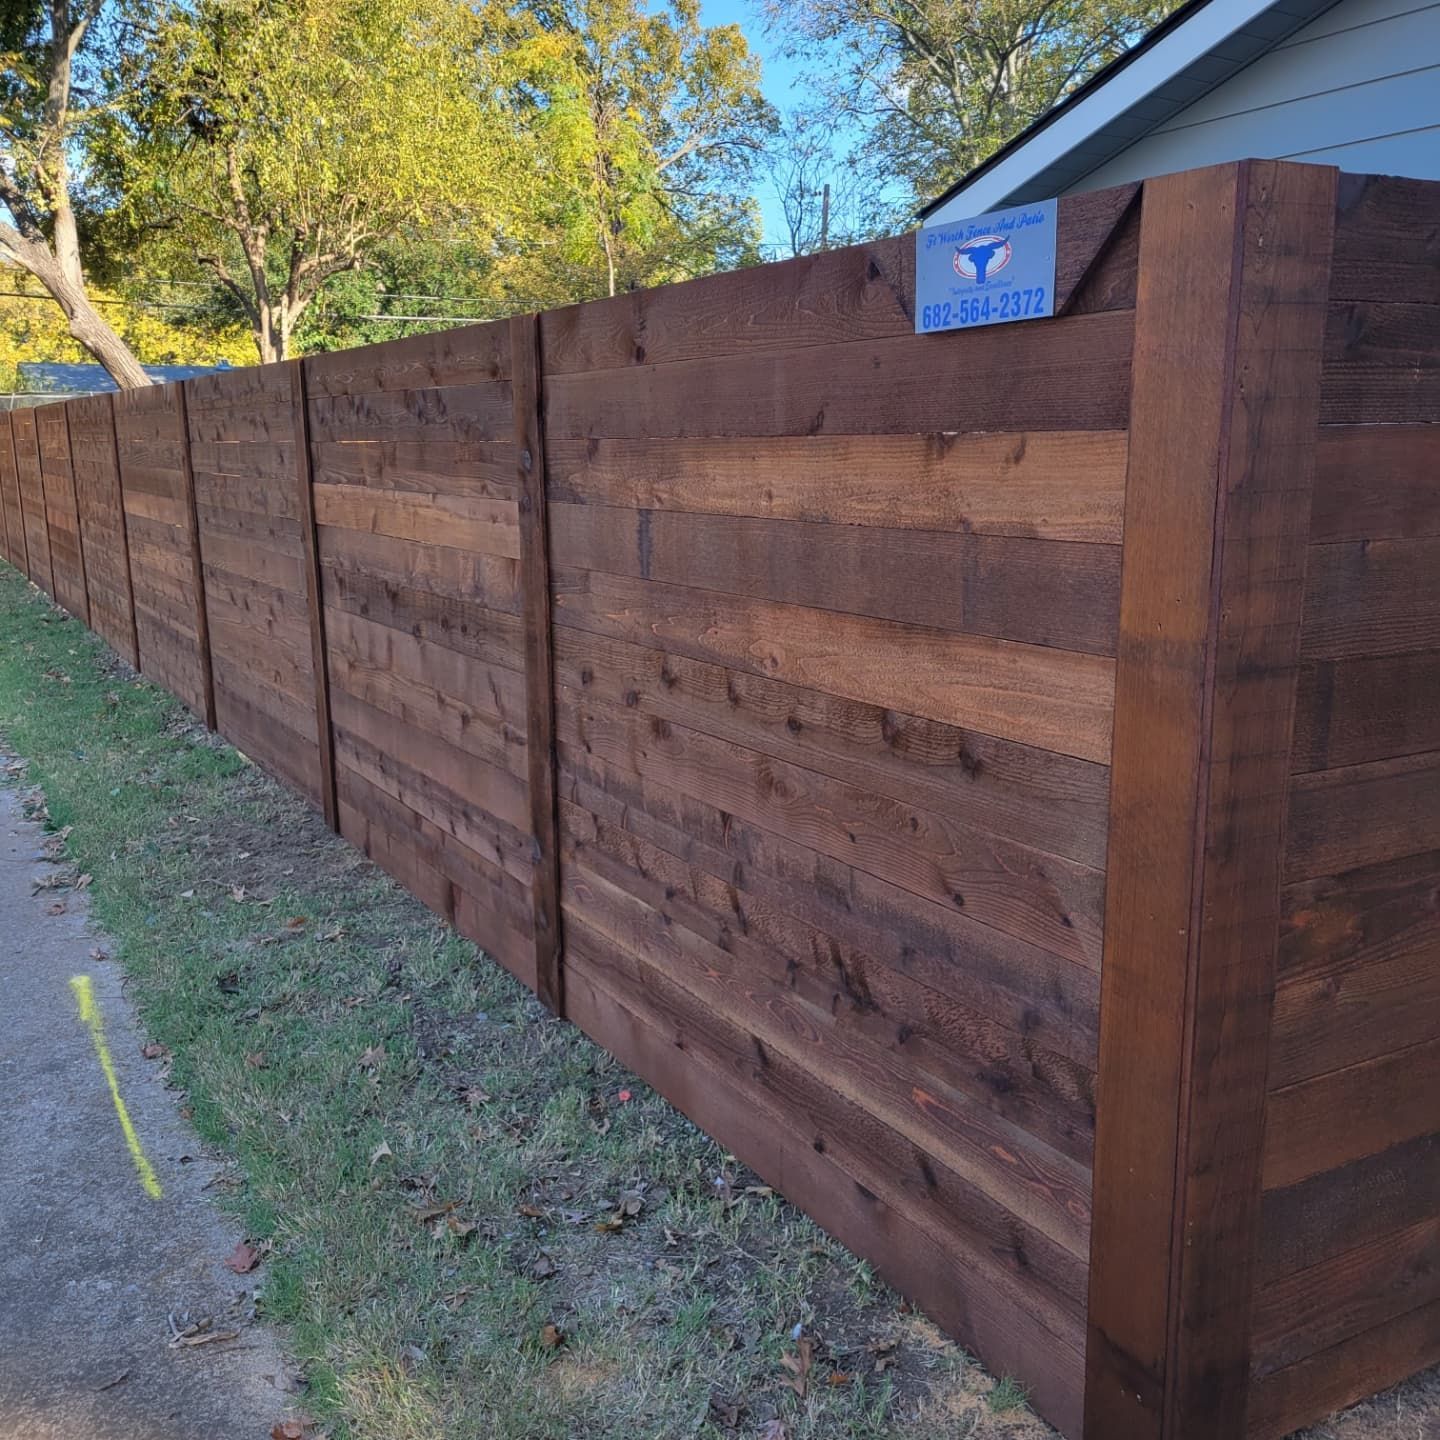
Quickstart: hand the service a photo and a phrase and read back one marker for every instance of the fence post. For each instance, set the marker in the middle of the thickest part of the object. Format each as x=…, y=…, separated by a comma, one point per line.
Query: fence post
x=319, y=655
x=202, y=616
x=1229, y=321
x=525, y=379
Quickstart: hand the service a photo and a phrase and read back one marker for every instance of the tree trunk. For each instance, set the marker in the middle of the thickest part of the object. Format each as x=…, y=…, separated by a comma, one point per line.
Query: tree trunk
x=86, y=324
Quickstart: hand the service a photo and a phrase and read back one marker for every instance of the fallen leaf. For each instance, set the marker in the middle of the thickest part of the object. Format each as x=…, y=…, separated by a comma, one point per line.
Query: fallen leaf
x=424, y=1214
x=372, y=1058
x=772, y=1430
x=610, y=1226
x=243, y=1259
x=297, y=922
x=96, y=953
x=298, y=1427
x=187, y=894
x=237, y=892
x=839, y=1377
x=58, y=908
x=257, y=1060
x=543, y=1268
x=335, y=932
x=530, y=1212
x=381, y=1152
x=725, y=1413
x=82, y=882
x=460, y=1229
x=631, y=1204
x=552, y=1337
x=799, y=1365
x=154, y=1051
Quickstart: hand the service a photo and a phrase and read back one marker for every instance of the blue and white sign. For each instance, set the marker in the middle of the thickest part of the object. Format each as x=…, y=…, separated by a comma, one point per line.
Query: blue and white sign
x=988, y=270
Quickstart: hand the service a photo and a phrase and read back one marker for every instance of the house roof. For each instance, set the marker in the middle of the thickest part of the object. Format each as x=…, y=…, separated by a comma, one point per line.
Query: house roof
x=1196, y=48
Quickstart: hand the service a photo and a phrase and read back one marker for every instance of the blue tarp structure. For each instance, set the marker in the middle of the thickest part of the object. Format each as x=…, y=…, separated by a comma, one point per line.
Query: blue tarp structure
x=45, y=378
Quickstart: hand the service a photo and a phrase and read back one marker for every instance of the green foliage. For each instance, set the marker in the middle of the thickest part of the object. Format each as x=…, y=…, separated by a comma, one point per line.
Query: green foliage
x=277, y=142
x=935, y=86
x=647, y=127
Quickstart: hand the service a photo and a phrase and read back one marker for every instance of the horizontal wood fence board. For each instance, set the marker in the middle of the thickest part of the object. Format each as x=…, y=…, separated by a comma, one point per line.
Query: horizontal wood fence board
x=10, y=498
x=861, y=292
x=1053, y=699
x=1376, y=482
x=1047, y=901
x=1335, y=1212
x=1047, y=485
x=1053, y=802
x=101, y=513
x=32, y=499
x=149, y=423
x=61, y=512
x=1067, y=374
x=1039, y=591
x=990, y=780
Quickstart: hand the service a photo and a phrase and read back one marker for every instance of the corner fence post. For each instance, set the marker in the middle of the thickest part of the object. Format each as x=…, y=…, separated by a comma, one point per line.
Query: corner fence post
x=1229, y=328
x=314, y=594
x=539, y=662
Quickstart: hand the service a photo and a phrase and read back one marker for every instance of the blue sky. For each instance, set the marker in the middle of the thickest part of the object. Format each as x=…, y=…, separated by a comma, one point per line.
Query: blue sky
x=781, y=82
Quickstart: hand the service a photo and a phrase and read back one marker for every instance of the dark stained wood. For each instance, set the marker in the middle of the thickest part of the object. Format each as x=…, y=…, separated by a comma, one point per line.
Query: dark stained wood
x=1039, y=898
x=811, y=1166
x=1224, y=413
x=314, y=600
x=1043, y=485
x=18, y=549
x=32, y=499
x=857, y=293
x=67, y=558
x=1387, y=240
x=1345, y=1115
x=1376, y=482
x=1362, y=814
x=202, y=623
x=1343, y=1295
x=101, y=509
x=1069, y=374
x=1037, y=797
x=1378, y=597
x=1042, y=592
x=539, y=660
x=1364, y=708
x=1337, y=1211
x=470, y=355
x=1335, y=1378
x=1036, y=695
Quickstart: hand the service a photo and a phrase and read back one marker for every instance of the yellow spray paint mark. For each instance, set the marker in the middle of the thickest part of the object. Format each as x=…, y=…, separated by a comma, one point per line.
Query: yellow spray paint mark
x=90, y=1014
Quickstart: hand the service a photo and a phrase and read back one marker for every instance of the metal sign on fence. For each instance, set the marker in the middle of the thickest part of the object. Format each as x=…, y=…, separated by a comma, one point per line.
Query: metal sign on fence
x=988, y=270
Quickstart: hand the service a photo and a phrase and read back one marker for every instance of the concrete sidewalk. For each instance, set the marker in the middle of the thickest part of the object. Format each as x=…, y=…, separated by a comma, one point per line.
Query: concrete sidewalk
x=93, y=1261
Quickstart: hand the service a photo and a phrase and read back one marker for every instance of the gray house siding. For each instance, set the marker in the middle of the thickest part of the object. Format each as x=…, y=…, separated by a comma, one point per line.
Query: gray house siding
x=1358, y=87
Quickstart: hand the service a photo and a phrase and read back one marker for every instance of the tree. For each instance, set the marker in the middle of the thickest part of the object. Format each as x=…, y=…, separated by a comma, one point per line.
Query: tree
x=932, y=87
x=277, y=143
x=648, y=127
x=824, y=201
x=39, y=122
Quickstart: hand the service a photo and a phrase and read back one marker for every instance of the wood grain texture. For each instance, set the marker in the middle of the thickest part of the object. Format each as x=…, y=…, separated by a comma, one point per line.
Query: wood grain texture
x=67, y=559
x=31, y=484
x=161, y=527
x=1224, y=412
x=1036, y=695
x=1041, y=592
x=101, y=512
x=1376, y=482
x=1068, y=374
x=853, y=294
x=1058, y=485
x=534, y=554
x=16, y=550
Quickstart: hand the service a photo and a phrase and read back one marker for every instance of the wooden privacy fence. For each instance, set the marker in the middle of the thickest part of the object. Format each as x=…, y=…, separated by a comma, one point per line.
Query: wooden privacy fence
x=991, y=780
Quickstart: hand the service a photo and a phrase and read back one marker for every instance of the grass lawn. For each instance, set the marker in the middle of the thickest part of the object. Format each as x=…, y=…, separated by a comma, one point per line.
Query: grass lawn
x=476, y=1222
